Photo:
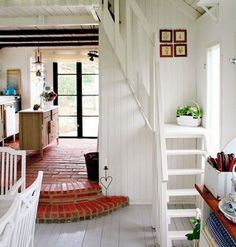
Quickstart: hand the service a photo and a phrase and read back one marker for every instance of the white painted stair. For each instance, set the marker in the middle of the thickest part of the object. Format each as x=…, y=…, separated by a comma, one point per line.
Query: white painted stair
x=172, y=131
x=186, y=152
x=182, y=192
x=178, y=235
x=181, y=172
x=181, y=213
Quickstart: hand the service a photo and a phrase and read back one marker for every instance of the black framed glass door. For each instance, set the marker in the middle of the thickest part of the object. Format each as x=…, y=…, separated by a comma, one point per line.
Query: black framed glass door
x=78, y=99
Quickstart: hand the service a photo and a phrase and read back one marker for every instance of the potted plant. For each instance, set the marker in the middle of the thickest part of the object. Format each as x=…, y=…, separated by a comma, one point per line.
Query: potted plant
x=195, y=235
x=189, y=115
x=48, y=96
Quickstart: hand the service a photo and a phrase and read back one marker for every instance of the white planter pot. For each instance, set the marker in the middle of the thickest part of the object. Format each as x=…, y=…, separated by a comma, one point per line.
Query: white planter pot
x=48, y=104
x=188, y=121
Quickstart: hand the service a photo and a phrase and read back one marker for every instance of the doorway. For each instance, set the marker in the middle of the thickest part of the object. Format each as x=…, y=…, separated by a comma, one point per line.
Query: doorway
x=214, y=98
x=77, y=87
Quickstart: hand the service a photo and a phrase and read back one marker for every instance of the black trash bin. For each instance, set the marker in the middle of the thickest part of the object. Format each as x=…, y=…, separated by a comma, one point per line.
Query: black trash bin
x=91, y=160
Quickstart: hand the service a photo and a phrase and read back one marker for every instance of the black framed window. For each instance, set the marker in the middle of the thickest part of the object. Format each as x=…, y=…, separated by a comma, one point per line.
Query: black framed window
x=77, y=87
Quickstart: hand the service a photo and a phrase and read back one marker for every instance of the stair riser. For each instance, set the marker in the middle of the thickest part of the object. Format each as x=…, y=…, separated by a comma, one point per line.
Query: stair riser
x=79, y=211
x=68, y=198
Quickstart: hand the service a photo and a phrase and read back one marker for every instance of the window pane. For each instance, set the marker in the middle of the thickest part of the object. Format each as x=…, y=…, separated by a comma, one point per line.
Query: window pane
x=67, y=68
x=90, y=67
x=90, y=126
x=66, y=84
x=67, y=105
x=90, y=105
x=67, y=126
x=90, y=84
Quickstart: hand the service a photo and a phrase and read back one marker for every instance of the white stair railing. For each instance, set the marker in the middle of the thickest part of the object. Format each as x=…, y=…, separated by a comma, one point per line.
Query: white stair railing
x=136, y=48
x=132, y=40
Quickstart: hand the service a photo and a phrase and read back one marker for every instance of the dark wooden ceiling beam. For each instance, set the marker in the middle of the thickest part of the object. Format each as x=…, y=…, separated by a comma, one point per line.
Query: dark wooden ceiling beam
x=59, y=44
x=48, y=39
x=37, y=32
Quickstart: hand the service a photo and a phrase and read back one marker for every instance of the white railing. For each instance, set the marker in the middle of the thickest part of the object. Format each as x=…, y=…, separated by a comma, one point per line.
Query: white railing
x=132, y=39
x=136, y=47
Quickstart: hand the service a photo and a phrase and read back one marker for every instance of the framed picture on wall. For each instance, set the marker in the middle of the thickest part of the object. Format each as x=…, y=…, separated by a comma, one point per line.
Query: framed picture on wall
x=14, y=79
x=166, y=50
x=180, y=36
x=180, y=50
x=165, y=36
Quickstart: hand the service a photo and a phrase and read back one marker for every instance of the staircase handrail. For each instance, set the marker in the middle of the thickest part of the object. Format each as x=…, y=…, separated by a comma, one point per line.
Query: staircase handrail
x=103, y=11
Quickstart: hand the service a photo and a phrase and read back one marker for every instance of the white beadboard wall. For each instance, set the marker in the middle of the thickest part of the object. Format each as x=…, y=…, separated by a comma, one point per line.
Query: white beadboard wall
x=224, y=32
x=178, y=76
x=123, y=137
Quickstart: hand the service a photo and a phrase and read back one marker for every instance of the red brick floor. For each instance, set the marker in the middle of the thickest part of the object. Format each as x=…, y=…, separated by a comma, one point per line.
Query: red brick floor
x=66, y=193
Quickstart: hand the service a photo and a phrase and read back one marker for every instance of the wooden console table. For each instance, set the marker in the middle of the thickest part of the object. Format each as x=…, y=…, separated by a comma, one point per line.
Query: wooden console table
x=38, y=128
x=212, y=205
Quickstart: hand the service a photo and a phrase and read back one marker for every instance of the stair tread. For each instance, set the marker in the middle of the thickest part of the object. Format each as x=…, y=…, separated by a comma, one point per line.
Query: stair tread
x=176, y=131
x=172, y=172
x=186, y=152
x=179, y=235
x=182, y=192
x=181, y=213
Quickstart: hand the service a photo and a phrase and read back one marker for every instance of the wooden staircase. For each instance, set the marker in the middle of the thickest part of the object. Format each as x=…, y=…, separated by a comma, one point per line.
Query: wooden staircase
x=172, y=131
x=131, y=39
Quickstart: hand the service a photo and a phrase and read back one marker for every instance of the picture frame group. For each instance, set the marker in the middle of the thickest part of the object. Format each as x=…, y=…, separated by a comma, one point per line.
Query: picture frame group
x=168, y=37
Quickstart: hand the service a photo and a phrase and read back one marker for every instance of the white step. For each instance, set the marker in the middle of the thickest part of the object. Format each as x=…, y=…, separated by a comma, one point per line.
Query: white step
x=182, y=192
x=176, y=131
x=179, y=172
x=181, y=213
x=186, y=152
x=179, y=235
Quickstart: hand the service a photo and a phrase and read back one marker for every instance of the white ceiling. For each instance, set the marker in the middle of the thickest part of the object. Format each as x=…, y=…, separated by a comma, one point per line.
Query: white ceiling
x=193, y=4
x=72, y=10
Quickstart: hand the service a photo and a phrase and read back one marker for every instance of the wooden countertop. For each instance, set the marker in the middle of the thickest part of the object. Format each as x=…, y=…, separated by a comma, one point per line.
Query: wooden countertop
x=30, y=110
x=213, y=204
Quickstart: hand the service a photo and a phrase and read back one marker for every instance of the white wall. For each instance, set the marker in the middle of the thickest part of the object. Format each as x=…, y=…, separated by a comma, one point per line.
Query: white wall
x=224, y=33
x=177, y=74
x=17, y=58
x=123, y=137
x=178, y=77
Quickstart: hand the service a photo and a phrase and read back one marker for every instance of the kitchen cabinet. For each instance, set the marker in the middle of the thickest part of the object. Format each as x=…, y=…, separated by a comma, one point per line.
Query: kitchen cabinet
x=9, y=124
x=38, y=128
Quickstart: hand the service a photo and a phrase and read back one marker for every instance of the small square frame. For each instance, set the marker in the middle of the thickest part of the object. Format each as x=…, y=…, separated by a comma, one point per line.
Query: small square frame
x=180, y=50
x=180, y=36
x=166, y=50
x=166, y=35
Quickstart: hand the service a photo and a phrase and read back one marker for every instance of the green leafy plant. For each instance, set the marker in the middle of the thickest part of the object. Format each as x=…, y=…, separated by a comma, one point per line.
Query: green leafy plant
x=186, y=110
x=48, y=95
x=196, y=230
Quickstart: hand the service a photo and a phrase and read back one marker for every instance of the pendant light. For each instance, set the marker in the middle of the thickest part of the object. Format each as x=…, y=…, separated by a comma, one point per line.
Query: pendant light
x=38, y=62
